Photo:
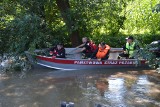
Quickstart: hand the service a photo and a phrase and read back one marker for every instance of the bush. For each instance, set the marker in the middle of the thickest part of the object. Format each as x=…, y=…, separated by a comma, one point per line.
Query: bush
x=119, y=40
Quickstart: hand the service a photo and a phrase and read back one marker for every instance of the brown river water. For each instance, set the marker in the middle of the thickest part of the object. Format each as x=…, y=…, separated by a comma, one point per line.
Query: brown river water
x=43, y=87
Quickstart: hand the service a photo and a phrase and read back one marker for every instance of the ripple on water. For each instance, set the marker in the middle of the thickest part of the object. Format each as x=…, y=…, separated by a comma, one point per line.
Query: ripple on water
x=142, y=86
x=47, y=89
x=139, y=92
x=116, y=92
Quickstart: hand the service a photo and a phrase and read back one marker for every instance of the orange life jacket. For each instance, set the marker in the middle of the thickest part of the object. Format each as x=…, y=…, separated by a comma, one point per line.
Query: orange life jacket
x=102, y=52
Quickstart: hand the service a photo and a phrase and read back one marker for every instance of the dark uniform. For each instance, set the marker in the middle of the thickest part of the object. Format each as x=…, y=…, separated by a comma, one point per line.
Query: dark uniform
x=87, y=52
x=60, y=53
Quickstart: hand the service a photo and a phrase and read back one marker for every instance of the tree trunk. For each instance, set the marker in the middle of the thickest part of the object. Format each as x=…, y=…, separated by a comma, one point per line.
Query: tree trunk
x=64, y=8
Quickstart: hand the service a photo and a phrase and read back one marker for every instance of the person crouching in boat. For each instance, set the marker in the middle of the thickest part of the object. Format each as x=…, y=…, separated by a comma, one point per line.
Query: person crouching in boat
x=88, y=47
x=53, y=50
x=129, y=49
x=58, y=52
x=102, y=52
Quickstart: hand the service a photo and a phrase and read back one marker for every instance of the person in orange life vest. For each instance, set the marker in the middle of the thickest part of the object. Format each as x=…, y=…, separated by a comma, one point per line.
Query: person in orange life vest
x=102, y=52
x=59, y=51
x=86, y=47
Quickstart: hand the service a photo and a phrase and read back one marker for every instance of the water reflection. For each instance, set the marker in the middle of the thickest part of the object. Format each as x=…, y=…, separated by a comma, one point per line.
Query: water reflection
x=116, y=92
x=102, y=85
x=142, y=85
x=48, y=88
x=140, y=92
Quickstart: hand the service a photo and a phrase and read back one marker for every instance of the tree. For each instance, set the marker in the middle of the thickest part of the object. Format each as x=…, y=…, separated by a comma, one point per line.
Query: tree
x=141, y=19
x=64, y=8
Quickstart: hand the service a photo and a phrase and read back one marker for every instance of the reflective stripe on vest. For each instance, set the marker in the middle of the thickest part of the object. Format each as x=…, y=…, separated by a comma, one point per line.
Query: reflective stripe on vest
x=130, y=48
x=102, y=52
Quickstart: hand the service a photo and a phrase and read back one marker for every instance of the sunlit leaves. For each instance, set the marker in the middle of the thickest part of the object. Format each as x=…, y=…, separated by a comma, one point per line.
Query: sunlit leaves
x=98, y=19
x=99, y=16
x=140, y=18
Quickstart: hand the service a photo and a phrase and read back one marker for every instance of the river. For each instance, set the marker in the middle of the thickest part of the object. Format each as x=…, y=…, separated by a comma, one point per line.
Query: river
x=43, y=87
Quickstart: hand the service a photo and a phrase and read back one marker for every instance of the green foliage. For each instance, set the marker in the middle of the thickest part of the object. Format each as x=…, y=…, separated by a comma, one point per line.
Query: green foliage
x=26, y=32
x=95, y=18
x=40, y=23
x=140, y=17
x=150, y=56
x=119, y=39
x=26, y=25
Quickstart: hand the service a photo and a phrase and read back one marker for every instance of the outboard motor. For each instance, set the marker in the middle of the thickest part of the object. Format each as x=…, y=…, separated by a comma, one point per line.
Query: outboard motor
x=155, y=48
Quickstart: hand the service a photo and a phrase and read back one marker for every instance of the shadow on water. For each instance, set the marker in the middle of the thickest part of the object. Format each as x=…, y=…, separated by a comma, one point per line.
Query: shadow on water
x=43, y=87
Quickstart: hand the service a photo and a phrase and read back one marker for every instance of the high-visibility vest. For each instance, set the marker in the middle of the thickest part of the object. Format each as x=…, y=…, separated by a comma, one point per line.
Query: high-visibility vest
x=102, y=52
x=130, y=48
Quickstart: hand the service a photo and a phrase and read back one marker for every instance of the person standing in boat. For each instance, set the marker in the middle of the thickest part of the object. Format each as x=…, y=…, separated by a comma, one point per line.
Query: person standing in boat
x=58, y=52
x=102, y=52
x=129, y=48
x=87, y=47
